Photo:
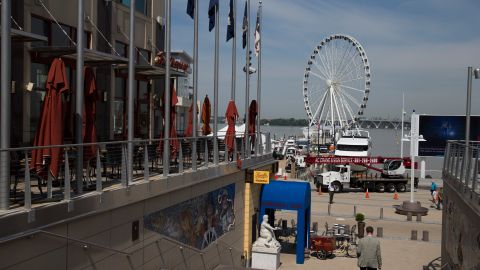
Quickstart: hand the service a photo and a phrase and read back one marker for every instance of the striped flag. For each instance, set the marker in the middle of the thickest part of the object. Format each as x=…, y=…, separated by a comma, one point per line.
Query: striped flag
x=256, y=35
x=231, y=22
x=244, y=27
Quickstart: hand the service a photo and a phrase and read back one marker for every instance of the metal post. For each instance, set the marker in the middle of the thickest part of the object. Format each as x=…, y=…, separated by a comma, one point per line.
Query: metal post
x=259, y=82
x=469, y=105
x=79, y=98
x=27, y=191
x=5, y=105
x=215, y=88
x=234, y=51
x=131, y=89
x=167, y=101
x=401, y=133
x=195, y=88
x=247, y=83
x=468, y=113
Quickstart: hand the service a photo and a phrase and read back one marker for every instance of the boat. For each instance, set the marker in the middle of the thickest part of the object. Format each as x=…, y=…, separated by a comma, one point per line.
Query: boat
x=354, y=143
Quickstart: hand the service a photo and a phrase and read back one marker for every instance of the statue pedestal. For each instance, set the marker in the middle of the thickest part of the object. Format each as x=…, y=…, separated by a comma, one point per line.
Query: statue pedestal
x=266, y=258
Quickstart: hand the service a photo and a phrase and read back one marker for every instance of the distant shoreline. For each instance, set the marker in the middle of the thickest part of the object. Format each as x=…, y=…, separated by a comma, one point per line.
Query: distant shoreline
x=282, y=122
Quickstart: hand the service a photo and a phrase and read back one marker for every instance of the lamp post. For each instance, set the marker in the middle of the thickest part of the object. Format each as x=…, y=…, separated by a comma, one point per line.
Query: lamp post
x=471, y=73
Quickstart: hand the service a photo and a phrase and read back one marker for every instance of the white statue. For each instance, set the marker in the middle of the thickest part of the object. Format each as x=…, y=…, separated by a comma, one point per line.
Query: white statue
x=267, y=236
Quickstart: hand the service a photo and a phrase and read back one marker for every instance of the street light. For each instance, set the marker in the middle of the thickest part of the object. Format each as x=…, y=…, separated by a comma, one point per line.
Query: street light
x=469, y=102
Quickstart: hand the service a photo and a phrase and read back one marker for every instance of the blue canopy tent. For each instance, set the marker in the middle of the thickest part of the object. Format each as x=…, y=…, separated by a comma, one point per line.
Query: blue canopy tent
x=290, y=195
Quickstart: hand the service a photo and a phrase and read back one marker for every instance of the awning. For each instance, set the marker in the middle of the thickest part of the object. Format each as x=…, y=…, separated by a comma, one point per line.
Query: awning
x=149, y=71
x=22, y=36
x=91, y=57
x=290, y=195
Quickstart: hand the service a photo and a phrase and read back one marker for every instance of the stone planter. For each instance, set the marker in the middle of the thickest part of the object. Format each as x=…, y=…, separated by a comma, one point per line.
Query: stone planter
x=361, y=229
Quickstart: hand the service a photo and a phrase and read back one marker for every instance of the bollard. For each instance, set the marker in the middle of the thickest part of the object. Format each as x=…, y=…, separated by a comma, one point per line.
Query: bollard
x=380, y=232
x=425, y=236
x=414, y=235
x=354, y=210
x=381, y=212
x=329, y=205
x=419, y=217
x=409, y=216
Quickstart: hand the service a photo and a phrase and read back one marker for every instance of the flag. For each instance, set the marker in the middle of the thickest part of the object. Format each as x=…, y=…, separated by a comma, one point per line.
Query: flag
x=191, y=8
x=257, y=34
x=244, y=27
x=211, y=14
x=231, y=22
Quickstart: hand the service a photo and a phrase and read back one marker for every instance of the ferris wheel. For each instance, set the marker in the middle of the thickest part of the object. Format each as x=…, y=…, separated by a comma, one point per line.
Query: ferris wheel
x=336, y=82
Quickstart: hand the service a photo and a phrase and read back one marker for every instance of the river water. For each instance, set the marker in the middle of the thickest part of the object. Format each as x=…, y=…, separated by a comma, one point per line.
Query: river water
x=385, y=142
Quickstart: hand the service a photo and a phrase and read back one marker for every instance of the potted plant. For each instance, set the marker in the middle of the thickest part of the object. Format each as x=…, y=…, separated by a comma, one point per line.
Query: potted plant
x=360, y=224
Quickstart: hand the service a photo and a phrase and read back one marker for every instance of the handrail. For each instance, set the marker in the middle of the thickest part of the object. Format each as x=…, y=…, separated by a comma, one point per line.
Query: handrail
x=109, y=142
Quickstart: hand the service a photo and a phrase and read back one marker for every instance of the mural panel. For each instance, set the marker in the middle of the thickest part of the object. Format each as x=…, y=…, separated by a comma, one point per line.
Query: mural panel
x=196, y=222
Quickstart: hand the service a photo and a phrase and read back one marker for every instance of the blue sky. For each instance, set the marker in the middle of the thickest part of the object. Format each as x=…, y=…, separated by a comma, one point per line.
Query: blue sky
x=420, y=47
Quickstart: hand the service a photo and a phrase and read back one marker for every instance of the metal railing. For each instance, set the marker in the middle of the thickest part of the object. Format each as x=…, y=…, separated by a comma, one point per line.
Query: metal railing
x=461, y=164
x=46, y=174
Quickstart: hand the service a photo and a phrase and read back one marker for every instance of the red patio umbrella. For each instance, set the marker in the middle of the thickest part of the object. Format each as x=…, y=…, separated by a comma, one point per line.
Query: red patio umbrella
x=89, y=131
x=231, y=115
x=206, y=114
x=189, y=130
x=50, y=128
x=252, y=117
x=174, y=144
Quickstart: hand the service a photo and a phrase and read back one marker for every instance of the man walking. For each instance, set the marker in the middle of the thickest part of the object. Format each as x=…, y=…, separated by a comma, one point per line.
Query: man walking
x=331, y=191
x=368, y=252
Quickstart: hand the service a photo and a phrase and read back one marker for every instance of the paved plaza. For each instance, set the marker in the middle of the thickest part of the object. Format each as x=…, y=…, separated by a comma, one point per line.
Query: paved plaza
x=398, y=251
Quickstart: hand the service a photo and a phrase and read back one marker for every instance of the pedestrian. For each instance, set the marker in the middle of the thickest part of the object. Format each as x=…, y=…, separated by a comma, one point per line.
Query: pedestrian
x=440, y=199
x=434, y=198
x=331, y=191
x=368, y=252
x=433, y=187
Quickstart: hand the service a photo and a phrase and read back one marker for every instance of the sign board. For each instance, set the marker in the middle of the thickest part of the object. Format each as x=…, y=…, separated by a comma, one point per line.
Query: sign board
x=438, y=129
x=261, y=177
x=343, y=160
x=414, y=133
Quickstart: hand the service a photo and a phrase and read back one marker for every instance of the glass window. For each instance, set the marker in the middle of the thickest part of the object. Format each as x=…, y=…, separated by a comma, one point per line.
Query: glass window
x=40, y=27
x=143, y=57
x=58, y=36
x=118, y=115
x=120, y=84
x=140, y=5
x=121, y=49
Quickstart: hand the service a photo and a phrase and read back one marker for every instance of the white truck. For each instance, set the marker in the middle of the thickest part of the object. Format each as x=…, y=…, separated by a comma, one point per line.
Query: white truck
x=392, y=178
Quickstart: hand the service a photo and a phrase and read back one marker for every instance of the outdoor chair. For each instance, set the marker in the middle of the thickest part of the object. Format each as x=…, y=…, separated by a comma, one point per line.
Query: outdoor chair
x=152, y=154
x=17, y=171
x=114, y=158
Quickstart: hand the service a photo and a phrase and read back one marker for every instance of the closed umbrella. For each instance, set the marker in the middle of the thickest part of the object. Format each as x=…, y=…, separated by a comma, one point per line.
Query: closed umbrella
x=189, y=130
x=252, y=120
x=206, y=114
x=174, y=144
x=231, y=115
x=50, y=128
x=89, y=115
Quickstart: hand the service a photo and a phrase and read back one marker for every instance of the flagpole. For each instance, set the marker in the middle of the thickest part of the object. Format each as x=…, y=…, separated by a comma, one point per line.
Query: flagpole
x=5, y=104
x=259, y=79
x=215, y=88
x=79, y=100
x=195, y=89
x=131, y=83
x=167, y=98
x=247, y=84
x=234, y=51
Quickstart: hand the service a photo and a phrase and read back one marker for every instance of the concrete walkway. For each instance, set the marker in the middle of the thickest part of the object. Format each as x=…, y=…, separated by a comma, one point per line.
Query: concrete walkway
x=398, y=251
